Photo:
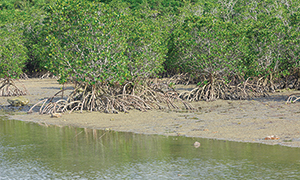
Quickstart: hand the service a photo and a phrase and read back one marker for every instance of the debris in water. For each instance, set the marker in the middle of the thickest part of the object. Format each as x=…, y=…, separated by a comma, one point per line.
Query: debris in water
x=197, y=144
x=272, y=137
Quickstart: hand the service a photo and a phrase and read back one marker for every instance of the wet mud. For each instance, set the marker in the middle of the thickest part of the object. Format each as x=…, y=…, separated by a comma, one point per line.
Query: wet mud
x=238, y=120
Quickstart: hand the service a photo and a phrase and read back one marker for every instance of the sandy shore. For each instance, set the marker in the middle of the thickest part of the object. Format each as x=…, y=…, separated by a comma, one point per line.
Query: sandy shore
x=243, y=120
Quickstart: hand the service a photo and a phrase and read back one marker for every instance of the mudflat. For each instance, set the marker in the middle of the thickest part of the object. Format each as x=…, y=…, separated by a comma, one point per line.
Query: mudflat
x=234, y=120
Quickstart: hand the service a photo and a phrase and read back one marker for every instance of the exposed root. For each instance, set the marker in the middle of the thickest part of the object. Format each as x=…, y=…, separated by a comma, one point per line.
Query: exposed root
x=290, y=81
x=47, y=75
x=293, y=98
x=219, y=89
x=8, y=88
x=266, y=83
x=47, y=105
x=183, y=78
x=108, y=99
x=23, y=76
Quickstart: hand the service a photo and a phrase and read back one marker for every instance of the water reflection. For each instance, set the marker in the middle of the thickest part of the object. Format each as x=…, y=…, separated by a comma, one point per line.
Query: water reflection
x=30, y=151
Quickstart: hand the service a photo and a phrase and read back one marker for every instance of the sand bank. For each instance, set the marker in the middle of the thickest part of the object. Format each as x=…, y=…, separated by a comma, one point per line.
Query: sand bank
x=242, y=120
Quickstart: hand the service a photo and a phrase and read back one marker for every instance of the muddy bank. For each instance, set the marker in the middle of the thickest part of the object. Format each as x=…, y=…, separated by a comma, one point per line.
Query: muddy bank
x=243, y=120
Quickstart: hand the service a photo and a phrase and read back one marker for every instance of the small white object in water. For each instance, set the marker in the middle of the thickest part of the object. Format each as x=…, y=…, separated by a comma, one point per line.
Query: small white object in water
x=197, y=144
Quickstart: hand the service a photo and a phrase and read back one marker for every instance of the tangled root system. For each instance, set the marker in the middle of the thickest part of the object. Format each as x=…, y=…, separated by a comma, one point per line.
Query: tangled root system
x=8, y=88
x=182, y=78
x=219, y=89
x=108, y=99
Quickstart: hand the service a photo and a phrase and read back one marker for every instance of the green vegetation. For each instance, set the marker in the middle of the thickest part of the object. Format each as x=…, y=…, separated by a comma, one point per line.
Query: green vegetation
x=109, y=48
x=99, y=45
x=227, y=43
x=13, y=53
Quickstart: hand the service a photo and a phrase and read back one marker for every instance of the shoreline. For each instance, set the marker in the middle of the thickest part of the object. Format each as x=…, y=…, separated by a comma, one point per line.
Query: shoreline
x=230, y=120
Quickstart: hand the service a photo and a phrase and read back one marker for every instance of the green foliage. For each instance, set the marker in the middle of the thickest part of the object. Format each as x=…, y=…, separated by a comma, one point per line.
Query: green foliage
x=203, y=45
x=146, y=47
x=91, y=42
x=81, y=42
x=270, y=47
x=22, y=19
x=120, y=40
x=12, y=53
x=161, y=6
x=248, y=38
x=32, y=34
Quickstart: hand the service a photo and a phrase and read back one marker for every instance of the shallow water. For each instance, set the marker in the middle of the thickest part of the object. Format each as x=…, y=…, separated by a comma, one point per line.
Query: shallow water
x=31, y=151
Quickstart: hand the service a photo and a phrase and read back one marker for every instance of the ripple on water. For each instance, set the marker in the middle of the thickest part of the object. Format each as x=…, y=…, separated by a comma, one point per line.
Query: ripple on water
x=29, y=151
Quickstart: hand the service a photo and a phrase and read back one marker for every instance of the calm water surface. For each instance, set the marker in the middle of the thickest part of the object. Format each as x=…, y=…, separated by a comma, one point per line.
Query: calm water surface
x=31, y=151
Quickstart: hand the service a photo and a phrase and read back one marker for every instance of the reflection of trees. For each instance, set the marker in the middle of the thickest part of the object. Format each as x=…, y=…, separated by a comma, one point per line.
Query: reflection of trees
x=69, y=149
